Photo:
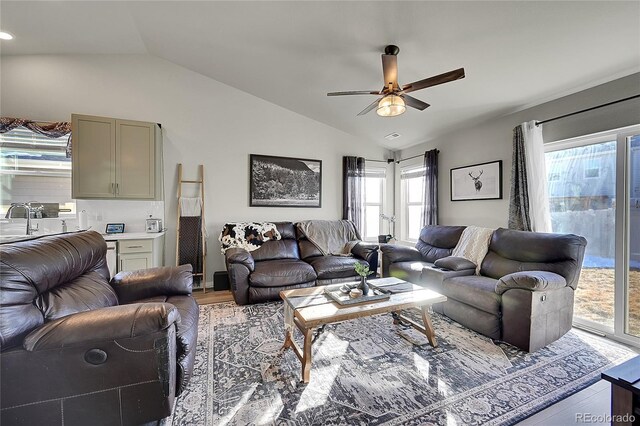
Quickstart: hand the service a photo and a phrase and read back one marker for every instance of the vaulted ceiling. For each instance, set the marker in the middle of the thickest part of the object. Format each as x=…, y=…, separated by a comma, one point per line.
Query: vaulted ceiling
x=516, y=54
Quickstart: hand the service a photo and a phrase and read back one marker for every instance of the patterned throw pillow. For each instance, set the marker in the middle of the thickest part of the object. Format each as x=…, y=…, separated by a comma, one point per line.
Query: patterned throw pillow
x=473, y=245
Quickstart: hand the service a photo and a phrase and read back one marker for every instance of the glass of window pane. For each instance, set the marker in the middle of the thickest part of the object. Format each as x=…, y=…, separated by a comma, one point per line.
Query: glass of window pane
x=372, y=222
x=414, y=217
x=633, y=283
x=415, y=189
x=582, y=190
x=373, y=189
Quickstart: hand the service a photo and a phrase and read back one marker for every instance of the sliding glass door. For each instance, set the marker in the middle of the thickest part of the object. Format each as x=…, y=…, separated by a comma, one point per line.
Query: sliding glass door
x=582, y=196
x=632, y=293
x=594, y=191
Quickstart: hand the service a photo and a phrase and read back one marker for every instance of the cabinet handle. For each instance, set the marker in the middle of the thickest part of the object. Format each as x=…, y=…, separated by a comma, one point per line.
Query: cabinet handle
x=117, y=189
x=113, y=188
x=134, y=246
x=121, y=267
x=110, y=248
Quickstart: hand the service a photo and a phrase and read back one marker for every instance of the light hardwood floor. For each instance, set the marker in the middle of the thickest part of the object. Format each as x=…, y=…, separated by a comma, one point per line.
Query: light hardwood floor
x=212, y=296
x=594, y=400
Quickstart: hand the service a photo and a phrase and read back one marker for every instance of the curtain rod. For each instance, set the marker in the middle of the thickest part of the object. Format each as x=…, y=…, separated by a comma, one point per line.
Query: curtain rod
x=415, y=156
x=586, y=110
x=378, y=161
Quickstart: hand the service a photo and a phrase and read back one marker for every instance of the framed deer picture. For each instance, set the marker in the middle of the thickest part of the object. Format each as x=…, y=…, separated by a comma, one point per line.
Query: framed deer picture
x=477, y=182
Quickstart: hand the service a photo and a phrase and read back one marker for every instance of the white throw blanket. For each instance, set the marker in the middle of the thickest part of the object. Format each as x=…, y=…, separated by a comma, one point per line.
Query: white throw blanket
x=331, y=237
x=473, y=245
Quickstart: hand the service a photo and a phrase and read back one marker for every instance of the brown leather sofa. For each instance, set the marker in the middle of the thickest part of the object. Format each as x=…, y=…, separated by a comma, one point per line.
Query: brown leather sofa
x=523, y=295
x=288, y=263
x=79, y=350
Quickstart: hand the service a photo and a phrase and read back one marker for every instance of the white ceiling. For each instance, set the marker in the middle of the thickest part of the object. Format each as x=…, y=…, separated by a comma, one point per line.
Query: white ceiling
x=515, y=54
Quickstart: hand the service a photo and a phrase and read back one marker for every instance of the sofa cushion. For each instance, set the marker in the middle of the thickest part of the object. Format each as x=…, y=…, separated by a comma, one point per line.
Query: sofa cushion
x=474, y=290
x=281, y=272
x=409, y=271
x=517, y=251
x=437, y=241
x=328, y=267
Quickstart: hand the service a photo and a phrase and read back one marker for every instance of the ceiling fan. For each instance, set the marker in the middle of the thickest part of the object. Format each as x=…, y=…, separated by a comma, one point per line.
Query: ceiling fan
x=394, y=98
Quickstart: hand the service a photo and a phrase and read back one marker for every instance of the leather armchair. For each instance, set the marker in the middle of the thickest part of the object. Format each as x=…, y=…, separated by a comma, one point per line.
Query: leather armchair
x=71, y=354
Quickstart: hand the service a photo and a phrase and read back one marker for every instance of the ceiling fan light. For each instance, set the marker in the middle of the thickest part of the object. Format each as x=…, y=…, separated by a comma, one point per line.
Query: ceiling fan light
x=390, y=106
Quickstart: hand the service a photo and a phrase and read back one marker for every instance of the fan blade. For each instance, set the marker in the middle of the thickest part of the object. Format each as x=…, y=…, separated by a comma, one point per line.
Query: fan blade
x=370, y=107
x=390, y=70
x=355, y=92
x=434, y=81
x=415, y=103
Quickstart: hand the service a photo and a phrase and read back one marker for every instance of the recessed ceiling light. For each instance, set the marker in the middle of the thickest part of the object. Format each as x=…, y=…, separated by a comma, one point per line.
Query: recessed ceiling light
x=5, y=36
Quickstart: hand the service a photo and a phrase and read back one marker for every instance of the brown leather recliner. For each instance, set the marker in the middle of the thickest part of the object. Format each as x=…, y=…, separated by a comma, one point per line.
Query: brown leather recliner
x=78, y=350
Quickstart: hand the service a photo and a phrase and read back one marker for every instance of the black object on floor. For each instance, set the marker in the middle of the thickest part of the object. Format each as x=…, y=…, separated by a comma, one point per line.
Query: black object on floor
x=220, y=281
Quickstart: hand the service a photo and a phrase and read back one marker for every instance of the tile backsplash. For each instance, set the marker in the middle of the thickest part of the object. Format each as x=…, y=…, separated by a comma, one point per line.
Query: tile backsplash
x=132, y=213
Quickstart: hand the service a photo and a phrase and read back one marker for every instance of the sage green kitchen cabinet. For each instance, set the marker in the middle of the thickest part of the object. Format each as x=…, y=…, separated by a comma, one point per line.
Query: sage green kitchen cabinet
x=116, y=159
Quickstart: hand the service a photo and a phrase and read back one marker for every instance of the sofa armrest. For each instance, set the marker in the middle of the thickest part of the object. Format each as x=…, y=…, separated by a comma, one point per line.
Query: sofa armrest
x=241, y=256
x=116, y=322
x=397, y=253
x=454, y=263
x=531, y=280
x=146, y=283
x=364, y=250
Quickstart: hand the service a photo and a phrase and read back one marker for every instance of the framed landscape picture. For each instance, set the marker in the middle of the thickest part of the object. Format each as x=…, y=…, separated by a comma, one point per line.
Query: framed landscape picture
x=477, y=182
x=284, y=181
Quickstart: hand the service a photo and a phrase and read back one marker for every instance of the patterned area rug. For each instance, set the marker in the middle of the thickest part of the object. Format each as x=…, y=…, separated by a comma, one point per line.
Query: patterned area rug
x=369, y=371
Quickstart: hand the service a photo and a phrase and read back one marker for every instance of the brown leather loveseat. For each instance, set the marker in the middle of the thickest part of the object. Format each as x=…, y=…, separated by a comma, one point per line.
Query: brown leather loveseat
x=292, y=262
x=79, y=350
x=525, y=290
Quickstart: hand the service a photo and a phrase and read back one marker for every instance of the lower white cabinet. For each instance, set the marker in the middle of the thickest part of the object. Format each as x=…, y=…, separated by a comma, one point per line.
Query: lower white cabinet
x=135, y=261
x=143, y=251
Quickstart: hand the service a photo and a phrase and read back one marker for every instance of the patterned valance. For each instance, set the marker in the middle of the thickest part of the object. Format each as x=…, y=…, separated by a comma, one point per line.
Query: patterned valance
x=48, y=129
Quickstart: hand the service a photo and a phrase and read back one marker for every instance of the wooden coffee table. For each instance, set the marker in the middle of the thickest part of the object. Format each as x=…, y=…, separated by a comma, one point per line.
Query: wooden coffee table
x=313, y=309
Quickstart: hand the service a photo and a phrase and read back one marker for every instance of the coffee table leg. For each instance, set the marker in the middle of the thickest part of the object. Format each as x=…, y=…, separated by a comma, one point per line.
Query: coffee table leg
x=306, y=356
x=428, y=327
x=288, y=340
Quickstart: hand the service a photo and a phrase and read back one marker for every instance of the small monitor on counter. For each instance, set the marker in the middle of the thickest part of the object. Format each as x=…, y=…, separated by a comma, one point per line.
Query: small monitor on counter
x=115, y=228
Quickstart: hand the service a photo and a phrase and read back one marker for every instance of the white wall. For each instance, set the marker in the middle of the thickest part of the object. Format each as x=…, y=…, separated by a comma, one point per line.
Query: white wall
x=203, y=121
x=492, y=140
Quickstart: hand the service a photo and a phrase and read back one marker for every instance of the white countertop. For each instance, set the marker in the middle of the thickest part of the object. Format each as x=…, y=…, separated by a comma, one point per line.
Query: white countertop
x=133, y=236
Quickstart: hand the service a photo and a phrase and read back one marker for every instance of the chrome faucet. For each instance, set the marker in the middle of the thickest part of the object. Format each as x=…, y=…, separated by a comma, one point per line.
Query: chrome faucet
x=31, y=209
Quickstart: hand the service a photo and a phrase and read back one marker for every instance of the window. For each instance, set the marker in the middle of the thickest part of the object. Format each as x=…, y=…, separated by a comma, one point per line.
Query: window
x=411, y=199
x=35, y=168
x=374, y=195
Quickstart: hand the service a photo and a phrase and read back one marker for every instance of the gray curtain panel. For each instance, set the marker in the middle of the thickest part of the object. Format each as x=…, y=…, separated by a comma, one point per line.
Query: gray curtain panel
x=430, y=203
x=353, y=190
x=519, y=197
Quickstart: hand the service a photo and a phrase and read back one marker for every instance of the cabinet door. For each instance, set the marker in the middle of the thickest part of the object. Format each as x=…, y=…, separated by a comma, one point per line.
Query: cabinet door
x=135, y=159
x=93, y=156
x=134, y=261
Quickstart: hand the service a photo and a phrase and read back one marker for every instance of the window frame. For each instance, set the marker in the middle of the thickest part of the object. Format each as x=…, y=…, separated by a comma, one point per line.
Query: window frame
x=402, y=219
x=379, y=172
